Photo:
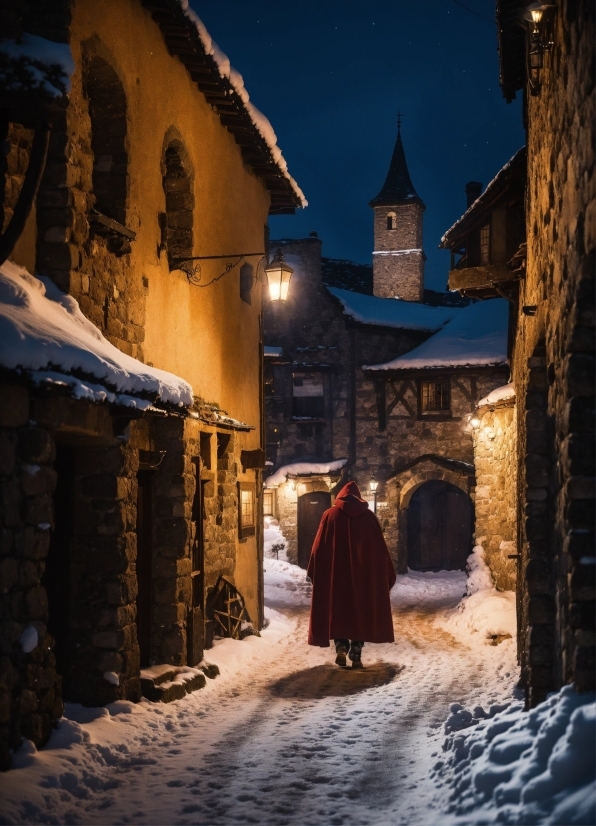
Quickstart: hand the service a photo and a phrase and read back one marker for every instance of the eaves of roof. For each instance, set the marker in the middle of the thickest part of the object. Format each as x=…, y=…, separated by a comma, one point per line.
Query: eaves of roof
x=183, y=41
x=509, y=181
x=511, y=28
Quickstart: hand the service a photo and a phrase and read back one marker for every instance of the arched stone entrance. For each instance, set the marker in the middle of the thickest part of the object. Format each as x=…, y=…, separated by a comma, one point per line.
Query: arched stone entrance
x=439, y=527
x=402, y=486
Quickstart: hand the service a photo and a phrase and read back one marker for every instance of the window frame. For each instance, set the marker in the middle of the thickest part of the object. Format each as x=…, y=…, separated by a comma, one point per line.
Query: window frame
x=441, y=411
x=269, y=494
x=319, y=411
x=485, y=244
x=244, y=529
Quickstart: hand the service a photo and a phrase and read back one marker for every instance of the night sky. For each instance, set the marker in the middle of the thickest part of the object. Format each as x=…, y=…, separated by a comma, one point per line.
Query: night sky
x=331, y=77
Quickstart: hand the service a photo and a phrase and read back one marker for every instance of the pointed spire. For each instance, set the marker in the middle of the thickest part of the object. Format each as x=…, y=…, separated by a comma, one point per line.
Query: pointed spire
x=398, y=187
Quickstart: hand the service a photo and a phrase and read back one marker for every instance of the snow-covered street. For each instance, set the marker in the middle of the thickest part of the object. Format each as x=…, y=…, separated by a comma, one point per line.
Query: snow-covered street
x=283, y=735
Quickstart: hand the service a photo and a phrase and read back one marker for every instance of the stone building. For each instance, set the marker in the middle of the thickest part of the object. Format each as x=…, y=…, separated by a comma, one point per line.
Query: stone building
x=551, y=287
x=131, y=443
x=361, y=386
x=398, y=257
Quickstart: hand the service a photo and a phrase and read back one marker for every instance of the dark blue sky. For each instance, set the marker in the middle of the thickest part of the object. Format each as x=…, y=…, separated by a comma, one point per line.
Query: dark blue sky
x=331, y=76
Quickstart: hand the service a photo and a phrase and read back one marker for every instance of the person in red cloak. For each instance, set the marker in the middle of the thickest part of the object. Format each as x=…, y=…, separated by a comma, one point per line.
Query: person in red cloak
x=352, y=574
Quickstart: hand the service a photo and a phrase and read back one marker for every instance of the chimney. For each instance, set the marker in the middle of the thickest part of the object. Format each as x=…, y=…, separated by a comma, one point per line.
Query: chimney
x=473, y=190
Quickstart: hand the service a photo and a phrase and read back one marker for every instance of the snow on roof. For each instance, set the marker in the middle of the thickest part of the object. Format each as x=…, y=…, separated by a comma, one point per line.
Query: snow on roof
x=499, y=394
x=36, y=64
x=44, y=333
x=493, y=185
x=477, y=336
x=226, y=70
x=303, y=469
x=393, y=312
x=272, y=352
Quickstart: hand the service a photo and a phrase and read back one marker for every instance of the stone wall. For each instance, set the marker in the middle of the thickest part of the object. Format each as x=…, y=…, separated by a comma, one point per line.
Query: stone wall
x=554, y=365
x=371, y=420
x=495, y=460
x=400, y=275
x=30, y=688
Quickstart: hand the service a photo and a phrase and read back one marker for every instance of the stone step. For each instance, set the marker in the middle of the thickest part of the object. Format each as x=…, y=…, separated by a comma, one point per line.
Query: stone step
x=165, y=683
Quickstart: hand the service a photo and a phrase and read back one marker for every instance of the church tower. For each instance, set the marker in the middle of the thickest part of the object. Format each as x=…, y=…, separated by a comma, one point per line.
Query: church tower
x=398, y=259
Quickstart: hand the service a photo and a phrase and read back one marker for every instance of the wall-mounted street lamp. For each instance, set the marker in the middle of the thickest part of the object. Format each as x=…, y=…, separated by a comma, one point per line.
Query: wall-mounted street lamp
x=373, y=484
x=475, y=422
x=538, y=42
x=279, y=274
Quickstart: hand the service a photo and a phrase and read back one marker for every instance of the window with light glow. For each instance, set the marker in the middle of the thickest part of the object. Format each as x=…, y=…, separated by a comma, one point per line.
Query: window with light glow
x=268, y=503
x=246, y=509
x=435, y=396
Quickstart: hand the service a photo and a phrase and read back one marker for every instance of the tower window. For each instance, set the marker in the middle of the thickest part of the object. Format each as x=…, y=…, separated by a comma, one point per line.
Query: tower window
x=391, y=220
x=485, y=244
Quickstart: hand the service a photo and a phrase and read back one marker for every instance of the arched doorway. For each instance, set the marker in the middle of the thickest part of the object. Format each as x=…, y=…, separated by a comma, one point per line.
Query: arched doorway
x=440, y=523
x=311, y=507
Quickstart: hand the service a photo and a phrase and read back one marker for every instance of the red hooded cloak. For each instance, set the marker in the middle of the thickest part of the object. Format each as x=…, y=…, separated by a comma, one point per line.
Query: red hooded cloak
x=352, y=574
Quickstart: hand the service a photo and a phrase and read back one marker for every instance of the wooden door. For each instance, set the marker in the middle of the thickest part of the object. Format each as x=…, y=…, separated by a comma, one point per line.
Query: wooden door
x=144, y=566
x=439, y=528
x=311, y=507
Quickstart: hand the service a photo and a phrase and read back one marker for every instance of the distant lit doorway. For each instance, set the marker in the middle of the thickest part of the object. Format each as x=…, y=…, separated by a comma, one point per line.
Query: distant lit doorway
x=440, y=524
x=311, y=507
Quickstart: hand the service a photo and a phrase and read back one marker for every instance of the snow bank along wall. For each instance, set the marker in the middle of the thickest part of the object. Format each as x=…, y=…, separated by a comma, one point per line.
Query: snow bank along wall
x=116, y=522
x=553, y=366
x=495, y=462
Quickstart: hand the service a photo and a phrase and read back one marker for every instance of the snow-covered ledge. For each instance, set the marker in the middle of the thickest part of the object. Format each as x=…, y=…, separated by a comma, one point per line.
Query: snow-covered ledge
x=505, y=393
x=45, y=337
x=303, y=469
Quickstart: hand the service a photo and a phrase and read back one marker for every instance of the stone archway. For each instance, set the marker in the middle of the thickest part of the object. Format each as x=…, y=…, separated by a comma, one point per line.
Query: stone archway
x=439, y=527
x=408, y=479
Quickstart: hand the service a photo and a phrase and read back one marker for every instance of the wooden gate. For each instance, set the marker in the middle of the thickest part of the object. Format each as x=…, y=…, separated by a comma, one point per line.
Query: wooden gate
x=440, y=519
x=311, y=507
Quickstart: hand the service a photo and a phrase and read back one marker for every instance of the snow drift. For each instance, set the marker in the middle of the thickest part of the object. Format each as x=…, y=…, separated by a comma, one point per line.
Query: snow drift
x=525, y=767
x=44, y=333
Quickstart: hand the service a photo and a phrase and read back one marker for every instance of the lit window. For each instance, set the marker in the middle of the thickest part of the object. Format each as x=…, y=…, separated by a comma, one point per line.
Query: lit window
x=391, y=220
x=246, y=515
x=268, y=502
x=435, y=396
x=308, y=396
x=485, y=244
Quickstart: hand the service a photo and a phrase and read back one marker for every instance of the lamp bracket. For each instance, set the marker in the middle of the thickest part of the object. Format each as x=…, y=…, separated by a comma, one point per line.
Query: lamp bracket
x=193, y=271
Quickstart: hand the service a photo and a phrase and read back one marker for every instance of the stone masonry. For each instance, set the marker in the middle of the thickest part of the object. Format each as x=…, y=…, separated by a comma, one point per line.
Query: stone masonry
x=495, y=461
x=398, y=259
x=554, y=365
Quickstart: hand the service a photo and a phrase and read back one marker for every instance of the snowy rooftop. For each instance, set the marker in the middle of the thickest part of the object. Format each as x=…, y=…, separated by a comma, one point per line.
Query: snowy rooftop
x=499, y=394
x=393, y=312
x=477, y=336
x=35, y=65
x=303, y=469
x=516, y=166
x=227, y=71
x=44, y=334
x=272, y=352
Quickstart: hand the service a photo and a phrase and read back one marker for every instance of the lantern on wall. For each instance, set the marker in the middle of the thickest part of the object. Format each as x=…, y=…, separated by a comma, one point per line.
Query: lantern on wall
x=279, y=275
x=373, y=484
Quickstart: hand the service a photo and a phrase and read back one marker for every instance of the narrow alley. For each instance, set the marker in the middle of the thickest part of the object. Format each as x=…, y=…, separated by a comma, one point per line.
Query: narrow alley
x=282, y=736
